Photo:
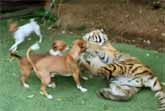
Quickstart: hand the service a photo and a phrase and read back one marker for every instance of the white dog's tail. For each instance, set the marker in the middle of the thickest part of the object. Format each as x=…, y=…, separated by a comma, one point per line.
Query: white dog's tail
x=33, y=47
x=36, y=28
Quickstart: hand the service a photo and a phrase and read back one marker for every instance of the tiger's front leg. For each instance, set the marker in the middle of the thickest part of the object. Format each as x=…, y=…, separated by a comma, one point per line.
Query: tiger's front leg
x=117, y=92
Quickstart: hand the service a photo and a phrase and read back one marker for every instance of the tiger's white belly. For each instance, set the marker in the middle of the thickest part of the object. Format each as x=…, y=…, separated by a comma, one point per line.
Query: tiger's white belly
x=130, y=81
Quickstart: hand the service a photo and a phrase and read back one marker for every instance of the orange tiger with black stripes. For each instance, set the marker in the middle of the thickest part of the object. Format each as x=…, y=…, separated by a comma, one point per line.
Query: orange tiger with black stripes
x=126, y=74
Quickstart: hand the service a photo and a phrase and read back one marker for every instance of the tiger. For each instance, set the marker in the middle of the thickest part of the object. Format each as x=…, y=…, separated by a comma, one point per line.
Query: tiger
x=121, y=70
x=126, y=78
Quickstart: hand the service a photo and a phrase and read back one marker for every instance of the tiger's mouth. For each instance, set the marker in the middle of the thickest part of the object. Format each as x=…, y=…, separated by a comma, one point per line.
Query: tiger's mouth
x=91, y=52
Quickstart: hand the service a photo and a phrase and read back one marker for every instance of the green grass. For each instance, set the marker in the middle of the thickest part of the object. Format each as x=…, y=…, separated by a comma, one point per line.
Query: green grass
x=13, y=97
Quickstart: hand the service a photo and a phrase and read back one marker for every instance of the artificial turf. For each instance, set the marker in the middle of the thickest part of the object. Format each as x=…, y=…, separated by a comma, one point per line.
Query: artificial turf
x=13, y=97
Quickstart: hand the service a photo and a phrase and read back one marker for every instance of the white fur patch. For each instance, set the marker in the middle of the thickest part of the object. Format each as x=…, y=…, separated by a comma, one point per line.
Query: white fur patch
x=26, y=85
x=116, y=91
x=35, y=46
x=49, y=96
x=81, y=88
x=52, y=85
x=55, y=53
x=84, y=78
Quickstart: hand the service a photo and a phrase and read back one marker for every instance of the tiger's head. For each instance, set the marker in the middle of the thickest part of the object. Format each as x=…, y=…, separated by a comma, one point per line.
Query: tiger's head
x=97, y=36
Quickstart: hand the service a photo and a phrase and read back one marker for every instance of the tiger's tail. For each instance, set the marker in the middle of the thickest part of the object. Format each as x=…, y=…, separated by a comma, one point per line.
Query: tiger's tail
x=155, y=85
x=160, y=94
x=161, y=98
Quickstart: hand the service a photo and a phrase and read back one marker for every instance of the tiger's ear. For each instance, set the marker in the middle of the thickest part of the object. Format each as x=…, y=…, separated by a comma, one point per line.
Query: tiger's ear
x=92, y=29
x=106, y=37
x=102, y=30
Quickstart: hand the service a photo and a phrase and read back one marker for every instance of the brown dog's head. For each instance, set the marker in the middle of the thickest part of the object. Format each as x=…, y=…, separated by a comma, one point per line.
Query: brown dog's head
x=80, y=43
x=12, y=27
x=59, y=45
x=78, y=47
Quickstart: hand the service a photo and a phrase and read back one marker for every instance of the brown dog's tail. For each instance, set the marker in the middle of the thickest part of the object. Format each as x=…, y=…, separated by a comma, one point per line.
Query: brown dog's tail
x=15, y=55
x=33, y=47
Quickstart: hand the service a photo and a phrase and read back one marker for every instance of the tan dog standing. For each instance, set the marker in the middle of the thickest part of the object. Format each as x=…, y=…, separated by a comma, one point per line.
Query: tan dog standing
x=26, y=67
x=59, y=47
x=62, y=65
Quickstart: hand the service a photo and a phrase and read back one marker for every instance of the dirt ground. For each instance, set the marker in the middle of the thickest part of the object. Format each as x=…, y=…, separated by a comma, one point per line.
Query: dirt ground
x=123, y=20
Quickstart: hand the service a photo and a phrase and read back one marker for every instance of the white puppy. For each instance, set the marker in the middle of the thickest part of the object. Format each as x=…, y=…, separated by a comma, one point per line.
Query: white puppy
x=59, y=47
x=24, y=31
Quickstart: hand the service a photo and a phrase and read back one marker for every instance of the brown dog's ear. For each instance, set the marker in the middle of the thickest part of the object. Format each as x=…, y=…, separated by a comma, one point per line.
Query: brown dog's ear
x=54, y=45
x=81, y=44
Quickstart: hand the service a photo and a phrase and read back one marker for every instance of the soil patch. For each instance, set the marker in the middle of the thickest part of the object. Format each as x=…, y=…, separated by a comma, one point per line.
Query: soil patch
x=124, y=21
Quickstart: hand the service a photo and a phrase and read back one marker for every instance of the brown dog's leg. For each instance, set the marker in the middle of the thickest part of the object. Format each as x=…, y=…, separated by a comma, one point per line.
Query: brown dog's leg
x=52, y=83
x=77, y=80
x=84, y=64
x=45, y=80
x=25, y=70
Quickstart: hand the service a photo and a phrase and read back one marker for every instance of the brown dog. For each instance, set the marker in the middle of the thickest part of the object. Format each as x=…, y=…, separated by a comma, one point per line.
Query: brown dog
x=62, y=65
x=26, y=67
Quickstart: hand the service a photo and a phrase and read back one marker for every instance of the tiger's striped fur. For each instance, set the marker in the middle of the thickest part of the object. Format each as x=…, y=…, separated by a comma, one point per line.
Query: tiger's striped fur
x=96, y=36
x=126, y=78
x=104, y=55
x=126, y=74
